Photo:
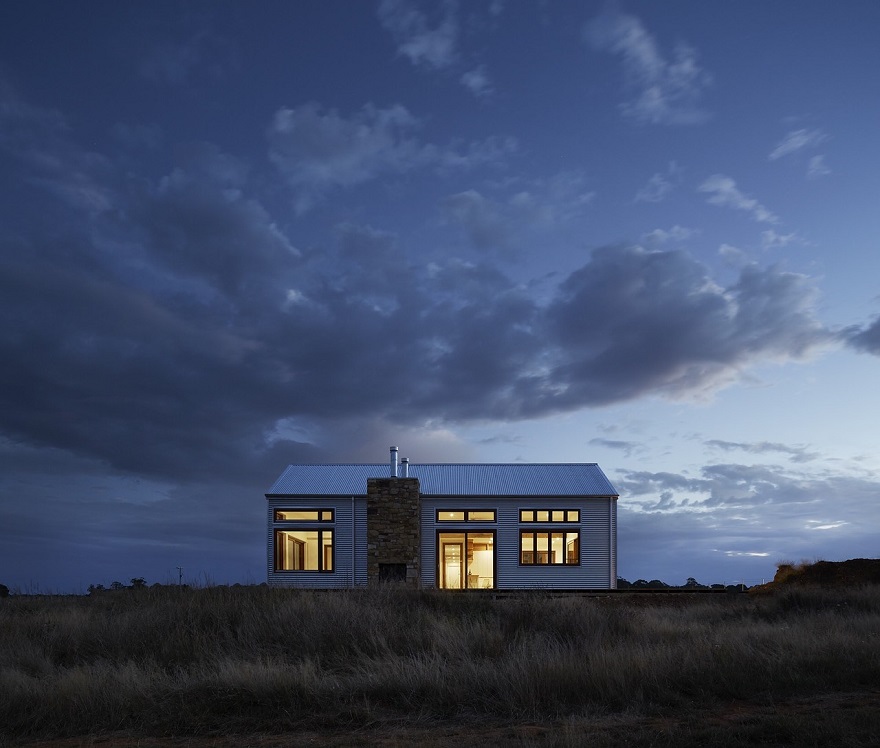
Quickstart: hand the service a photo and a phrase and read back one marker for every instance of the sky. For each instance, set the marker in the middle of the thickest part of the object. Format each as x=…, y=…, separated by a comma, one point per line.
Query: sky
x=238, y=235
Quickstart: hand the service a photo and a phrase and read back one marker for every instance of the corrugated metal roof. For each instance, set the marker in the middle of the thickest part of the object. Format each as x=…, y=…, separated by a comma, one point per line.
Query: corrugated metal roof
x=451, y=479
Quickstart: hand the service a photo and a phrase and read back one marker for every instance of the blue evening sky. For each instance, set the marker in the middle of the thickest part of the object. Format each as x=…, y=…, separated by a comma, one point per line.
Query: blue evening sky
x=235, y=235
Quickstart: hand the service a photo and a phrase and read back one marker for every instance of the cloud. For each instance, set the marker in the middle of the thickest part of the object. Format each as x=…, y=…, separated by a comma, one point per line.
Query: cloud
x=659, y=185
x=507, y=220
x=655, y=190
x=317, y=151
x=797, y=454
x=628, y=448
x=724, y=192
x=744, y=513
x=633, y=321
x=662, y=236
x=771, y=239
x=817, y=167
x=865, y=339
x=667, y=91
x=480, y=218
x=201, y=309
x=425, y=44
x=199, y=227
x=478, y=82
x=778, y=511
x=549, y=201
x=37, y=140
x=797, y=140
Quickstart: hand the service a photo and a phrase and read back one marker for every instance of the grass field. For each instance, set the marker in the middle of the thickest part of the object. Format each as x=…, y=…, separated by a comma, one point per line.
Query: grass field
x=255, y=666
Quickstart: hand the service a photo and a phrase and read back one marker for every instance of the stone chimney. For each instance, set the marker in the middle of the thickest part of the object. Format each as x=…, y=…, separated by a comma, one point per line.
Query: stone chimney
x=393, y=531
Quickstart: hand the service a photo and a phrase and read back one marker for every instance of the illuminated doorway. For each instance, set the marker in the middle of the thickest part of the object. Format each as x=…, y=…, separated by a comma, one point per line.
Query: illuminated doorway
x=466, y=560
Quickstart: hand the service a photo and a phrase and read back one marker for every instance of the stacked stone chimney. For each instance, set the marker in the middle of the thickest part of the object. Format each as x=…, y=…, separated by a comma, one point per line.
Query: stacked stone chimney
x=393, y=531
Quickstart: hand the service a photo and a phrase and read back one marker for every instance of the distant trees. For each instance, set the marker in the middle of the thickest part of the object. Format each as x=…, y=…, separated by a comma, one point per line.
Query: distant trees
x=4, y=590
x=657, y=584
x=138, y=583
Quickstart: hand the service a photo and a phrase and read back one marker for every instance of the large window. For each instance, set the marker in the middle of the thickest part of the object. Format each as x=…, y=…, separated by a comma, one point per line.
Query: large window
x=465, y=515
x=549, y=548
x=549, y=515
x=303, y=550
x=466, y=560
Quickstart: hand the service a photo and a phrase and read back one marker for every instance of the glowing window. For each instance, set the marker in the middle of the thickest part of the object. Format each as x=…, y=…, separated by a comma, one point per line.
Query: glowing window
x=551, y=548
x=465, y=515
x=303, y=515
x=304, y=550
x=549, y=515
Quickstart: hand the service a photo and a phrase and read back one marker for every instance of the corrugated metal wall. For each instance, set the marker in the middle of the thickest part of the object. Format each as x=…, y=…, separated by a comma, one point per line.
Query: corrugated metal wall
x=350, y=555
x=598, y=551
x=598, y=541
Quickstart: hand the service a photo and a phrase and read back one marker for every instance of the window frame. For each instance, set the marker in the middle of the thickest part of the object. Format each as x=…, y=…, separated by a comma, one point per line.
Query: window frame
x=470, y=531
x=566, y=520
x=465, y=515
x=319, y=511
x=321, y=553
x=549, y=533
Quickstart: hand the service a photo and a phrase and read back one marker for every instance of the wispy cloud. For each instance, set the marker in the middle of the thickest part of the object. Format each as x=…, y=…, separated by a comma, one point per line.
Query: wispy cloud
x=797, y=140
x=428, y=35
x=771, y=239
x=797, y=454
x=667, y=90
x=659, y=185
x=628, y=448
x=817, y=167
x=317, y=150
x=432, y=45
x=675, y=234
x=723, y=191
x=502, y=221
x=477, y=82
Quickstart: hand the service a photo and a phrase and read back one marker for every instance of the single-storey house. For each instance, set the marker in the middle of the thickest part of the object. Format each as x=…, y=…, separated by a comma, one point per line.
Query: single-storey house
x=445, y=526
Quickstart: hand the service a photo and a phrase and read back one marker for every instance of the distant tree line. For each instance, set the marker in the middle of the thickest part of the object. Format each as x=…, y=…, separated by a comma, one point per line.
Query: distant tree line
x=690, y=584
x=138, y=583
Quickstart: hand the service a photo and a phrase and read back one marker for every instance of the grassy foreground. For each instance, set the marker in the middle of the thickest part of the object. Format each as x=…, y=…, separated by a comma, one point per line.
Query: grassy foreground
x=798, y=667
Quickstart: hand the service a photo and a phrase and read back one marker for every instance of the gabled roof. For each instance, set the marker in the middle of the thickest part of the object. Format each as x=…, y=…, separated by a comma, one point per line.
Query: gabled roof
x=450, y=479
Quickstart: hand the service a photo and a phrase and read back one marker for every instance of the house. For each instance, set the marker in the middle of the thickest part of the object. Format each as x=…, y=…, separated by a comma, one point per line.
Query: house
x=446, y=526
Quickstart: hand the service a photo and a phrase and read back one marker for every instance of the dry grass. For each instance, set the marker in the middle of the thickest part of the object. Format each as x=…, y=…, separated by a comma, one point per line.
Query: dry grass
x=244, y=661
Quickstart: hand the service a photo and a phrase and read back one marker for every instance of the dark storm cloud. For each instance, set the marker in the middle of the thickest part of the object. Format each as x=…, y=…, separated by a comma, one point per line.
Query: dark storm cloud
x=633, y=321
x=169, y=326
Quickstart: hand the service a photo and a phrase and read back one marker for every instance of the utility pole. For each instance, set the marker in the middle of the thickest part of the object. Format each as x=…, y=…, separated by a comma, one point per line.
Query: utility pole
x=179, y=576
